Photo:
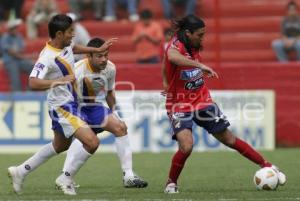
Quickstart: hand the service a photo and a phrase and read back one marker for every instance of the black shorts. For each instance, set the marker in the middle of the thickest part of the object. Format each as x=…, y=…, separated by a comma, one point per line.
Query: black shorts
x=209, y=118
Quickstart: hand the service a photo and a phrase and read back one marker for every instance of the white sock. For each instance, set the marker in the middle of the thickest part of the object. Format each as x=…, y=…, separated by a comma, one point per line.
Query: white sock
x=76, y=144
x=46, y=152
x=125, y=154
x=77, y=156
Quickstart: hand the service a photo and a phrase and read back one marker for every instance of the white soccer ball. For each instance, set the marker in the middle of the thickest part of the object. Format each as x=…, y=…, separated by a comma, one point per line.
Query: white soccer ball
x=266, y=179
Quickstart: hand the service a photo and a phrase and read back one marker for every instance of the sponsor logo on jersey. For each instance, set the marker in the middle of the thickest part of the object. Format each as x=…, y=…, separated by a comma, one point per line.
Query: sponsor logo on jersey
x=194, y=84
x=190, y=74
x=39, y=66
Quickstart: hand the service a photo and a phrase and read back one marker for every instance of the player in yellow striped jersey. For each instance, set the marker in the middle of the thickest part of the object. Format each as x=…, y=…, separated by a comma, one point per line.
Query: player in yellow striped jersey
x=95, y=78
x=53, y=71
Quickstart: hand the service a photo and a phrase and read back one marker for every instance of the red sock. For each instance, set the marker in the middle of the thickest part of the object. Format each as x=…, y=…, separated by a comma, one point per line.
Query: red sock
x=178, y=162
x=247, y=151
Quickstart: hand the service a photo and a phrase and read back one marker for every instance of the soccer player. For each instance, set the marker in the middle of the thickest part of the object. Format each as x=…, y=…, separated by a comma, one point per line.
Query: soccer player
x=95, y=76
x=53, y=71
x=188, y=100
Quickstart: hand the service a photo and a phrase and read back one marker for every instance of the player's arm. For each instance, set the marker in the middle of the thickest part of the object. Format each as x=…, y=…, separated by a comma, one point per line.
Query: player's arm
x=41, y=84
x=111, y=99
x=80, y=49
x=178, y=59
x=164, y=75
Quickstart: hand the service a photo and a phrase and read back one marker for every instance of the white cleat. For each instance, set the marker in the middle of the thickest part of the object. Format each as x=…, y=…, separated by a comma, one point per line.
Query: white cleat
x=134, y=182
x=171, y=188
x=16, y=179
x=281, y=175
x=65, y=185
x=76, y=185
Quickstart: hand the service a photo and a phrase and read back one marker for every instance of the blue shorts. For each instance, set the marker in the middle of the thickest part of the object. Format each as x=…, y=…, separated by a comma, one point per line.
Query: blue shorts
x=66, y=119
x=94, y=115
x=210, y=118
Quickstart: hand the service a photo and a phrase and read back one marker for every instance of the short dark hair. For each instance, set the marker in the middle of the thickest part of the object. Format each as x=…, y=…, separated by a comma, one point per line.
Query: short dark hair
x=57, y=23
x=95, y=42
x=146, y=14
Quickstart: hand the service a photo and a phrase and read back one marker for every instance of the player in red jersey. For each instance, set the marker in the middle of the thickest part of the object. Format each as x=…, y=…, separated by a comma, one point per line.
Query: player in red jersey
x=188, y=99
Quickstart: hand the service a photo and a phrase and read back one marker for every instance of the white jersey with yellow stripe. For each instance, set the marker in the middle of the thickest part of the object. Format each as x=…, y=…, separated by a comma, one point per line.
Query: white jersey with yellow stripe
x=93, y=86
x=53, y=64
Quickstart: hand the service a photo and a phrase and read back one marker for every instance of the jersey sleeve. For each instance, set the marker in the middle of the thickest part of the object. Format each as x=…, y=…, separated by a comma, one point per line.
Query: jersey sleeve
x=112, y=77
x=40, y=69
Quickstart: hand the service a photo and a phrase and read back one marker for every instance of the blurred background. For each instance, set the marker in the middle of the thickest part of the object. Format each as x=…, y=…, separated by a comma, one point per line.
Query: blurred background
x=252, y=44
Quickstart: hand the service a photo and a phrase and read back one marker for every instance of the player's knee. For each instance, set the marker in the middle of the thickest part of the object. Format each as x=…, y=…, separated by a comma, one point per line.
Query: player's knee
x=94, y=145
x=226, y=137
x=186, y=147
x=91, y=145
x=121, y=129
x=60, y=148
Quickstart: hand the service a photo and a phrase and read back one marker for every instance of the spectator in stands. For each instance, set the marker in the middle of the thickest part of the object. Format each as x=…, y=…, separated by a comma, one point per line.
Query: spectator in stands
x=8, y=7
x=290, y=30
x=146, y=37
x=110, y=9
x=170, y=5
x=41, y=12
x=82, y=36
x=12, y=46
x=77, y=6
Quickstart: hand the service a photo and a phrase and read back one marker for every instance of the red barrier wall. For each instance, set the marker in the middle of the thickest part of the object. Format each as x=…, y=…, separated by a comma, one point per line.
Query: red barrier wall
x=284, y=79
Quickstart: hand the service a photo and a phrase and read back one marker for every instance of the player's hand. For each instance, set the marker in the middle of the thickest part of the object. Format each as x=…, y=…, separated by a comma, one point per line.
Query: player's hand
x=108, y=44
x=209, y=72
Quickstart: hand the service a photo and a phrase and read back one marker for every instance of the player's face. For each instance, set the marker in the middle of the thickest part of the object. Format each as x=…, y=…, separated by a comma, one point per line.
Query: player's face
x=68, y=35
x=197, y=37
x=99, y=60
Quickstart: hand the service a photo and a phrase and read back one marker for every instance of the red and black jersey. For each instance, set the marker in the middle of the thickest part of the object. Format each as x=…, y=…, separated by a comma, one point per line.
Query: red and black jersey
x=187, y=91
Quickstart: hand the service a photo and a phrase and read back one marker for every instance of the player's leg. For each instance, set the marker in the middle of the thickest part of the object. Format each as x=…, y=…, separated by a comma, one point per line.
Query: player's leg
x=185, y=147
x=230, y=140
x=182, y=132
x=89, y=144
x=212, y=119
x=18, y=173
x=119, y=129
x=68, y=119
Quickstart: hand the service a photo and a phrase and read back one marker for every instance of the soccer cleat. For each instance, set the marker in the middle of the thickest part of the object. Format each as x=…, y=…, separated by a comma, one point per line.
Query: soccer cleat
x=16, y=179
x=134, y=182
x=65, y=185
x=76, y=185
x=281, y=175
x=171, y=188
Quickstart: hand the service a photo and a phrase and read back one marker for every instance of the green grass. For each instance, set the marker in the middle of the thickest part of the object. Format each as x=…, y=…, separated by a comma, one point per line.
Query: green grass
x=209, y=176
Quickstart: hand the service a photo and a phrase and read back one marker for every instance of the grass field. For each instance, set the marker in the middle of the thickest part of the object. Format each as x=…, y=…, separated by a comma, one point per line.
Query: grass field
x=209, y=176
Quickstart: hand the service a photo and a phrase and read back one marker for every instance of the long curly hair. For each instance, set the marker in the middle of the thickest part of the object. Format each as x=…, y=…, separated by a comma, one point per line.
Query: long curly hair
x=190, y=23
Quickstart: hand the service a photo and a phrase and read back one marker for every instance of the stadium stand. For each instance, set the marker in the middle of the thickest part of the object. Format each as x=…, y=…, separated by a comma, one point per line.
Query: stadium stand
x=246, y=29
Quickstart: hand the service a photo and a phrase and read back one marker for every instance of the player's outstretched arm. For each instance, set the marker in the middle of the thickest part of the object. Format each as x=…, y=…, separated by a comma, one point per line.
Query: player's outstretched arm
x=111, y=99
x=41, y=84
x=80, y=49
x=178, y=59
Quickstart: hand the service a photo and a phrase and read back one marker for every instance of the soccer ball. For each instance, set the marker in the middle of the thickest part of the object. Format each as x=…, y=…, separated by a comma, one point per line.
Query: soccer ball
x=266, y=179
